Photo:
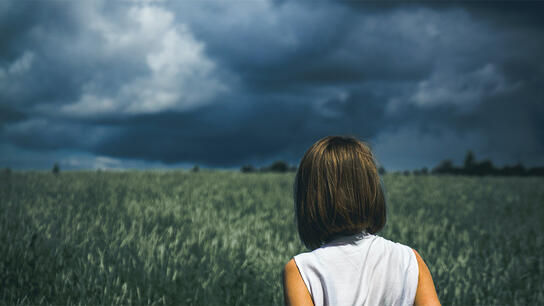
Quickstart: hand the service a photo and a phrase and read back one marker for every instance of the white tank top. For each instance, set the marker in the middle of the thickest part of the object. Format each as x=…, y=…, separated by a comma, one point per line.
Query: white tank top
x=362, y=269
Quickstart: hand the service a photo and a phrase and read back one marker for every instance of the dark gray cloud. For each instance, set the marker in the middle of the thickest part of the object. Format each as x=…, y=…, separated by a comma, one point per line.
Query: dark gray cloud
x=220, y=136
x=133, y=83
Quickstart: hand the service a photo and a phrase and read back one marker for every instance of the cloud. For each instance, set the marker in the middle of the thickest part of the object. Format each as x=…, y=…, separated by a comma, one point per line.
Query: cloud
x=423, y=148
x=10, y=115
x=49, y=134
x=179, y=75
x=95, y=162
x=20, y=66
x=462, y=90
x=13, y=73
x=159, y=83
x=17, y=158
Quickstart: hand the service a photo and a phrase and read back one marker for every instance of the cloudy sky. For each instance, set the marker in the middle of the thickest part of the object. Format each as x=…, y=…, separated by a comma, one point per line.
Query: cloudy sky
x=168, y=84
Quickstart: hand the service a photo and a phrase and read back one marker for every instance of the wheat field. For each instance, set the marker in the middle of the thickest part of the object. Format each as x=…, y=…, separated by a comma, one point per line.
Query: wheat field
x=222, y=237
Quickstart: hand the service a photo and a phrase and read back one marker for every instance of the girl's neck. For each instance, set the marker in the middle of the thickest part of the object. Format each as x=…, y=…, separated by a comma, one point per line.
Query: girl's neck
x=340, y=238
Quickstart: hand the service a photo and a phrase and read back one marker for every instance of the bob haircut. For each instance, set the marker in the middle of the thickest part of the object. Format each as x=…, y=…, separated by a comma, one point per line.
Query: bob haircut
x=337, y=191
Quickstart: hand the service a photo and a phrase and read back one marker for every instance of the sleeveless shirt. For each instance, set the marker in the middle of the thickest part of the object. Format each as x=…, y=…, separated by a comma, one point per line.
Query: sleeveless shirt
x=362, y=269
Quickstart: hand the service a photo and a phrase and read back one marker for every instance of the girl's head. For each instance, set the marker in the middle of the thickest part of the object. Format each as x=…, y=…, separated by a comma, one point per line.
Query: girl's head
x=337, y=191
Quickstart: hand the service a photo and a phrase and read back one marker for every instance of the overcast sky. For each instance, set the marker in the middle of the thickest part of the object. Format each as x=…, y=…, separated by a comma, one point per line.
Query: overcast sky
x=168, y=84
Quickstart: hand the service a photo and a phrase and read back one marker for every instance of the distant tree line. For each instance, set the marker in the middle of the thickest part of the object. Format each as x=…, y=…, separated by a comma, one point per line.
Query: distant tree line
x=473, y=167
x=470, y=167
x=485, y=167
x=277, y=166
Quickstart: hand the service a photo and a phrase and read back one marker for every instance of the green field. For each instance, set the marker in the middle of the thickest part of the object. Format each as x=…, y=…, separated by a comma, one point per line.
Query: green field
x=218, y=237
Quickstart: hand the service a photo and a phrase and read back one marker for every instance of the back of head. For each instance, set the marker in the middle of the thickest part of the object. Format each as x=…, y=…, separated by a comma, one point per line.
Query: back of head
x=337, y=191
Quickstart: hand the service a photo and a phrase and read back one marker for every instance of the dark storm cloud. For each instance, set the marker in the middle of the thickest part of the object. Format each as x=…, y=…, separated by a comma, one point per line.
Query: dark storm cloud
x=324, y=44
x=8, y=115
x=254, y=82
x=21, y=25
x=220, y=136
x=50, y=134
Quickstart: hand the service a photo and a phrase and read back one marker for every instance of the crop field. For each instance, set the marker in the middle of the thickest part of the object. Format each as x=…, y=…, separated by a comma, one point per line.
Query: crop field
x=223, y=237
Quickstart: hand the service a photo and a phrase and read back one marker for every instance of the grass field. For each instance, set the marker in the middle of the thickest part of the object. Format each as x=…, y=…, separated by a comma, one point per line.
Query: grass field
x=218, y=237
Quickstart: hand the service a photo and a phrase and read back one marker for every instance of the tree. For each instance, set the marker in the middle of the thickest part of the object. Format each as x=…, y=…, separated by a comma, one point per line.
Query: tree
x=536, y=171
x=279, y=166
x=196, y=168
x=469, y=164
x=484, y=168
x=247, y=169
x=56, y=168
x=381, y=170
x=518, y=170
x=446, y=166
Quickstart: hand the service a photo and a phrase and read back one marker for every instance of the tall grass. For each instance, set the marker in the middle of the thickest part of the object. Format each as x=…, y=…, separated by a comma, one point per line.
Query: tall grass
x=219, y=237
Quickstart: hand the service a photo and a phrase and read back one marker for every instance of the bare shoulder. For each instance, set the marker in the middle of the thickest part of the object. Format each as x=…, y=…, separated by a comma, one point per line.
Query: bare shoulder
x=294, y=288
x=290, y=266
x=419, y=259
x=426, y=292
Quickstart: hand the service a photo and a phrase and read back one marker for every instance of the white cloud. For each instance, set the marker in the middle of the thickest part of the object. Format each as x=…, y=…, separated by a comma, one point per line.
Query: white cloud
x=22, y=64
x=333, y=107
x=90, y=104
x=91, y=162
x=179, y=75
x=10, y=73
x=464, y=90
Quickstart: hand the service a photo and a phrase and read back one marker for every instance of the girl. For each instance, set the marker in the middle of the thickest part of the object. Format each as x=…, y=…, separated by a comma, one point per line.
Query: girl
x=339, y=208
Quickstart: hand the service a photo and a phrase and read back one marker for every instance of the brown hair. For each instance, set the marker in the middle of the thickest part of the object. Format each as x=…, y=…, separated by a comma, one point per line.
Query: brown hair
x=337, y=191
